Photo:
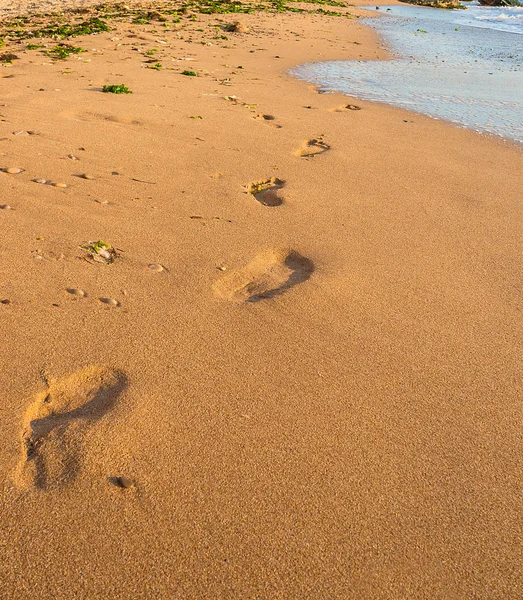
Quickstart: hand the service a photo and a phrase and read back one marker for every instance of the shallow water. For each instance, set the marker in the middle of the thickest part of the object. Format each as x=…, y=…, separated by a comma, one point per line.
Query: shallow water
x=463, y=66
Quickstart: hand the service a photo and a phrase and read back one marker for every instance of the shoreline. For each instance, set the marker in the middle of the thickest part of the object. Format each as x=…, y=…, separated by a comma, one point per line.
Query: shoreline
x=330, y=75
x=350, y=432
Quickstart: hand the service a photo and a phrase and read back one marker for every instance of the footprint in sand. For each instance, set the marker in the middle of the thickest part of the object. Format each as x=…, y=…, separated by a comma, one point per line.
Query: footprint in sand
x=267, y=191
x=344, y=108
x=56, y=423
x=269, y=274
x=269, y=119
x=94, y=116
x=312, y=148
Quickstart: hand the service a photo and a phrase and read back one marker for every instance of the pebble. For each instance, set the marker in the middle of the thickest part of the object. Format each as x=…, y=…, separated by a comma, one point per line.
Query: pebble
x=60, y=185
x=13, y=170
x=124, y=482
x=156, y=268
x=102, y=201
x=6, y=207
x=5, y=301
x=40, y=180
x=109, y=301
x=76, y=292
x=87, y=176
x=104, y=254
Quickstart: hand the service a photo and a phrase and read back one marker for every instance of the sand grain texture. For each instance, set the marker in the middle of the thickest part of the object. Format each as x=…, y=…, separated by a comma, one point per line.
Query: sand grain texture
x=355, y=433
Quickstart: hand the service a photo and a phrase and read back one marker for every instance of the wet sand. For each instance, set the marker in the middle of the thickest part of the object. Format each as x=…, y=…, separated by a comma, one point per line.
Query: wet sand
x=291, y=370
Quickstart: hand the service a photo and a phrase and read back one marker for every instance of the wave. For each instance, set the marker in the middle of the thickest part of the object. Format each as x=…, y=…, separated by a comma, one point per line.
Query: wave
x=503, y=19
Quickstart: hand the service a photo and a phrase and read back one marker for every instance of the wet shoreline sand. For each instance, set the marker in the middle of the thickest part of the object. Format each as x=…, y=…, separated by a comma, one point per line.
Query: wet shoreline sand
x=444, y=66
x=306, y=386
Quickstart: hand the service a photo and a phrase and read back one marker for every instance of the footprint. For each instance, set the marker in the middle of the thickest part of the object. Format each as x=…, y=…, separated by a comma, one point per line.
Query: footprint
x=88, y=116
x=55, y=425
x=269, y=274
x=269, y=119
x=265, y=117
x=267, y=191
x=312, y=148
x=118, y=119
x=344, y=107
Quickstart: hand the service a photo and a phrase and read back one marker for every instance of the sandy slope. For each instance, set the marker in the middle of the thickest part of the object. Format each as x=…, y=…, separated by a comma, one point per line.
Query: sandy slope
x=354, y=431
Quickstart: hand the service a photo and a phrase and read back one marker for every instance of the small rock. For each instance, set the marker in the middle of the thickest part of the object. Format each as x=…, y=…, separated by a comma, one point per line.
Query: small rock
x=60, y=185
x=13, y=170
x=156, y=268
x=109, y=301
x=76, y=292
x=156, y=16
x=5, y=301
x=239, y=27
x=124, y=482
x=6, y=207
x=87, y=176
x=105, y=254
x=40, y=180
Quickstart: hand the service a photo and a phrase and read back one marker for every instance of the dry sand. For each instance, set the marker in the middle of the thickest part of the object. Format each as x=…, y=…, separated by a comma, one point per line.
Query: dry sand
x=313, y=392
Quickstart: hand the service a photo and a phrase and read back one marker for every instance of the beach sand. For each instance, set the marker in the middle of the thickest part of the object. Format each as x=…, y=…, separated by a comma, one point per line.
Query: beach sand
x=298, y=378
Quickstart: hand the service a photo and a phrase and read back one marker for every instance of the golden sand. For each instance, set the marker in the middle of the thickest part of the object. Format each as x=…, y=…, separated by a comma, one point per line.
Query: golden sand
x=237, y=399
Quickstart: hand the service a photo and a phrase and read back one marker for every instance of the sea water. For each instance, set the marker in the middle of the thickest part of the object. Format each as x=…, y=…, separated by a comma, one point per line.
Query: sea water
x=465, y=66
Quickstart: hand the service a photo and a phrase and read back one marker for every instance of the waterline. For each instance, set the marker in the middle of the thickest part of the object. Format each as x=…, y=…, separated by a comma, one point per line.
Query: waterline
x=465, y=73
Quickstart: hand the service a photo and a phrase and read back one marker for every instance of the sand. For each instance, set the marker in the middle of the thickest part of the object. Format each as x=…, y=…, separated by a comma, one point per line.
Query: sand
x=292, y=370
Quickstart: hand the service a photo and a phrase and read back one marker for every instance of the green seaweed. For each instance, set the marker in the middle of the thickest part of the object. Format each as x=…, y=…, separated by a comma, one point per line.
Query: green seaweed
x=116, y=89
x=63, y=51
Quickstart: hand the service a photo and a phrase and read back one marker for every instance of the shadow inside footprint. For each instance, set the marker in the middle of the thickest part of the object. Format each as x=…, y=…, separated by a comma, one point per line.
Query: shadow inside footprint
x=267, y=191
x=269, y=274
x=57, y=421
x=312, y=148
x=269, y=119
